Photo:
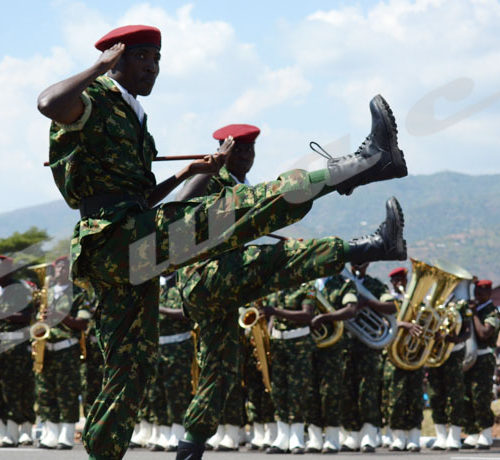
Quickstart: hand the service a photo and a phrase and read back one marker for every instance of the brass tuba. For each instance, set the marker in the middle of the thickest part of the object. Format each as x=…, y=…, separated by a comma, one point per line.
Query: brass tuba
x=376, y=330
x=328, y=334
x=429, y=288
x=40, y=330
x=250, y=318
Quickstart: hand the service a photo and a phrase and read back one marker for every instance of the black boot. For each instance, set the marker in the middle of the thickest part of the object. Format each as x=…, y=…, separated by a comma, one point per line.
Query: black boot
x=377, y=158
x=386, y=243
x=189, y=451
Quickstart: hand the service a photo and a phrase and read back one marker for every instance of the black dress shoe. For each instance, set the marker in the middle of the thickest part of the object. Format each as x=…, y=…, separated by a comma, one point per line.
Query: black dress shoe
x=255, y=447
x=386, y=243
x=329, y=450
x=482, y=447
x=377, y=158
x=189, y=451
x=298, y=451
x=62, y=446
x=312, y=450
x=156, y=448
x=275, y=450
x=133, y=445
x=221, y=448
x=345, y=448
x=467, y=446
x=367, y=448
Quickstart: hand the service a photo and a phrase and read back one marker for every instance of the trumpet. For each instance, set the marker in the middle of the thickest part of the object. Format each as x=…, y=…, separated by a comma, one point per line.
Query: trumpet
x=250, y=318
x=40, y=331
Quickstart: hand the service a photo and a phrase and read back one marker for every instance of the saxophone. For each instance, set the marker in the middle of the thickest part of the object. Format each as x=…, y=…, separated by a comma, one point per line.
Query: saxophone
x=40, y=330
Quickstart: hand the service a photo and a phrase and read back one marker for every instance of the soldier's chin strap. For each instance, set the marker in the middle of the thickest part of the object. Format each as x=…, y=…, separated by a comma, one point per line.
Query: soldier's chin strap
x=316, y=148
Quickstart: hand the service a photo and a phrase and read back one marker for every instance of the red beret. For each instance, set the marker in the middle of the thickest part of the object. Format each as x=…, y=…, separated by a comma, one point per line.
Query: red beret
x=62, y=259
x=240, y=133
x=130, y=36
x=400, y=271
x=7, y=259
x=484, y=283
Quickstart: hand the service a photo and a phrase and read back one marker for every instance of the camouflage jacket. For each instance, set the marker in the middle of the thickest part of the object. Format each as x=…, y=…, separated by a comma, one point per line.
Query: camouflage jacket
x=102, y=153
x=171, y=298
x=74, y=302
x=219, y=181
x=16, y=297
x=488, y=314
x=289, y=299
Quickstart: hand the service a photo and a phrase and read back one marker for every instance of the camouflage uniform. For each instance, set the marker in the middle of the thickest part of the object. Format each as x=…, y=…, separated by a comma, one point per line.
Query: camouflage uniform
x=212, y=290
x=58, y=385
x=107, y=153
x=446, y=384
x=362, y=375
x=479, y=378
x=404, y=396
x=328, y=363
x=17, y=387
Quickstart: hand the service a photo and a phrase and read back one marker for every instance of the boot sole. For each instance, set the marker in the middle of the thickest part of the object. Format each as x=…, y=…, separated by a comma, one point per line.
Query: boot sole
x=396, y=217
x=397, y=156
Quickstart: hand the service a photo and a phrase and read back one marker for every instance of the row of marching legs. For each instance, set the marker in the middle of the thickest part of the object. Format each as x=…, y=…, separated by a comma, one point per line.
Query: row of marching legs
x=53, y=436
x=157, y=437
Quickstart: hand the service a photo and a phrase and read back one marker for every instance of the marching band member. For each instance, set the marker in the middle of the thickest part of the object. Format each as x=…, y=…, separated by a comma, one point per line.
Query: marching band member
x=479, y=417
x=58, y=384
x=328, y=363
x=17, y=392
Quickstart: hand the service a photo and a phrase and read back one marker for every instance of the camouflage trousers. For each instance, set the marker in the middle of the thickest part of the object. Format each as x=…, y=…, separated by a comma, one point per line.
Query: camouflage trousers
x=213, y=290
x=173, y=385
x=327, y=380
x=362, y=380
x=404, y=396
x=447, y=390
x=479, y=394
x=234, y=409
x=91, y=373
x=17, y=385
x=176, y=235
x=292, y=378
x=58, y=386
x=259, y=407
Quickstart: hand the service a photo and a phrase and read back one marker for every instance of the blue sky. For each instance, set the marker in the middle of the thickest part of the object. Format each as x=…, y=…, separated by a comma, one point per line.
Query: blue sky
x=301, y=71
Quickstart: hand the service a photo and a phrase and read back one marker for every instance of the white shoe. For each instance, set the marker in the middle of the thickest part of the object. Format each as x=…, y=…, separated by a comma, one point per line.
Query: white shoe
x=155, y=433
x=387, y=438
x=270, y=433
x=368, y=437
x=296, y=436
x=259, y=431
x=470, y=441
x=453, y=441
x=315, y=442
x=142, y=437
x=51, y=435
x=215, y=440
x=331, y=443
x=176, y=434
x=25, y=434
x=399, y=440
x=484, y=441
x=441, y=436
x=67, y=434
x=231, y=439
x=351, y=442
x=282, y=440
x=163, y=436
x=413, y=444
x=11, y=436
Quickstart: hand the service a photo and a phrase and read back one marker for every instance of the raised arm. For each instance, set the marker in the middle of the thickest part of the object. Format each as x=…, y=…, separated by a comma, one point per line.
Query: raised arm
x=62, y=101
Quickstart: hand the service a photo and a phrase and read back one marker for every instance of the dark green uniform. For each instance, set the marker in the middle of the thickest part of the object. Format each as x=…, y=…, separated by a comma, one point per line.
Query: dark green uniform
x=362, y=375
x=446, y=384
x=479, y=378
x=58, y=385
x=17, y=388
x=107, y=155
x=328, y=363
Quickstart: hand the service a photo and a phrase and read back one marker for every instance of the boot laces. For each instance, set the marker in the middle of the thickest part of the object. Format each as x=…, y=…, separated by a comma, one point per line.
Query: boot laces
x=316, y=148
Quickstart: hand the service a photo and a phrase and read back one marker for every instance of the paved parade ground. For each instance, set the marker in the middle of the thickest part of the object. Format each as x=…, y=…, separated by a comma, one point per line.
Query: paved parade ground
x=78, y=453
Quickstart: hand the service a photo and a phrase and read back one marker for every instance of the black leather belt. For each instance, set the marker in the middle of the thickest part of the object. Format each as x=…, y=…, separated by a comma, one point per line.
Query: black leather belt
x=91, y=205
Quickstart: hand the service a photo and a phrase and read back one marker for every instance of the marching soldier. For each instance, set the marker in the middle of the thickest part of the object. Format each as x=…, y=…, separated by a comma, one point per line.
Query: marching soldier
x=479, y=417
x=101, y=154
x=58, y=384
x=362, y=373
x=447, y=387
x=17, y=392
x=328, y=363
